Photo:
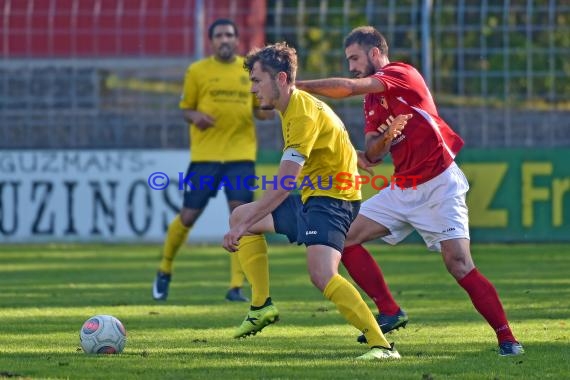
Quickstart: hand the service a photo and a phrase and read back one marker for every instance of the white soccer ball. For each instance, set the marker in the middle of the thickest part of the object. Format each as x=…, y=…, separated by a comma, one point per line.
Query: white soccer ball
x=103, y=334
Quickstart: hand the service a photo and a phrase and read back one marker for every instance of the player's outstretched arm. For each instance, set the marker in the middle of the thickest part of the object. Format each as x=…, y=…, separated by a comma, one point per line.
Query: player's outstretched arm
x=340, y=87
x=273, y=196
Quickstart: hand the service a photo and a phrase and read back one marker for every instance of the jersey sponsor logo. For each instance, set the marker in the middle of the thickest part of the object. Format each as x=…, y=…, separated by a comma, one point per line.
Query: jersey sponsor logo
x=307, y=233
x=384, y=126
x=399, y=139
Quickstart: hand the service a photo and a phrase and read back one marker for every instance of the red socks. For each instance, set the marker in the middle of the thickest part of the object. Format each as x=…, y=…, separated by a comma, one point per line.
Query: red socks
x=367, y=274
x=486, y=301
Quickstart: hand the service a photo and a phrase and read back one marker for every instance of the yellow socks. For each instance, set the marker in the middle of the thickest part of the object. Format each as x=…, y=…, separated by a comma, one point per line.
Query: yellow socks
x=236, y=273
x=353, y=308
x=176, y=236
x=252, y=254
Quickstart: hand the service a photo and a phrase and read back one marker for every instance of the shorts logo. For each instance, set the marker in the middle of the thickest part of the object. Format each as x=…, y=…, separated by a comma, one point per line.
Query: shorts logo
x=450, y=229
x=310, y=233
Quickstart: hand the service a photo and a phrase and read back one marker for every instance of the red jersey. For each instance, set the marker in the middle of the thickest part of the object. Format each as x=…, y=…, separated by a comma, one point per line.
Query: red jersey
x=427, y=145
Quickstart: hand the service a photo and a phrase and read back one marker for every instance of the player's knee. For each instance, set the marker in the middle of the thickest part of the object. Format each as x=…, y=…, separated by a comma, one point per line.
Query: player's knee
x=459, y=268
x=318, y=281
x=356, y=238
x=352, y=238
x=236, y=216
x=350, y=242
x=189, y=216
x=320, y=278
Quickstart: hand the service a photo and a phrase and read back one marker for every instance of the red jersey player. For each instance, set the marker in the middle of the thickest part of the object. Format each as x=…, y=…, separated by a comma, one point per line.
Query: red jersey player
x=433, y=144
x=423, y=153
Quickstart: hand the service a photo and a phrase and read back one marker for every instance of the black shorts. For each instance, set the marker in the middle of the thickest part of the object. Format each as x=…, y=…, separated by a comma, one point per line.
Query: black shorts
x=204, y=179
x=320, y=221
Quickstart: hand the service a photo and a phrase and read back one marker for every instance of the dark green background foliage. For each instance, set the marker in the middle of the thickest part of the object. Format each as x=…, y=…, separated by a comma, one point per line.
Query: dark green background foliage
x=515, y=52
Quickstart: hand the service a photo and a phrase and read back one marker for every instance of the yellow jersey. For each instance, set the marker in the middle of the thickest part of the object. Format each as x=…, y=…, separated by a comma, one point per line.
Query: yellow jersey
x=221, y=90
x=313, y=129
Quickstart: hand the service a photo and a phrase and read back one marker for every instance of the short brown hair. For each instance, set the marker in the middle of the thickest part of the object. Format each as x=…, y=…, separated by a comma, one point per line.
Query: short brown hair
x=274, y=59
x=367, y=37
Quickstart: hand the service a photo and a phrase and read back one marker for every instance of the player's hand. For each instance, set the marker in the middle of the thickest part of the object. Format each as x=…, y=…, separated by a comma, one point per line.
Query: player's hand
x=203, y=121
x=396, y=126
x=231, y=238
x=364, y=163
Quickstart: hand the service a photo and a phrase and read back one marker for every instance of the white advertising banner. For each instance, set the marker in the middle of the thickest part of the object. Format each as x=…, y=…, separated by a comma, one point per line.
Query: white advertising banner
x=98, y=196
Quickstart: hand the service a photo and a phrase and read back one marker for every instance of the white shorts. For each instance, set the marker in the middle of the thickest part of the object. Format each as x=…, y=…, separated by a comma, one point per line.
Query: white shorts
x=436, y=209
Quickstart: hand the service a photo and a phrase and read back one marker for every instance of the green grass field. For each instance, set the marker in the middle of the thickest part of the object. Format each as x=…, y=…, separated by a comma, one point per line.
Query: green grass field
x=48, y=291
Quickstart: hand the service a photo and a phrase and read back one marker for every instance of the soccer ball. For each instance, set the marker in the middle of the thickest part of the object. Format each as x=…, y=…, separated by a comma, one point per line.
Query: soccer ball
x=103, y=334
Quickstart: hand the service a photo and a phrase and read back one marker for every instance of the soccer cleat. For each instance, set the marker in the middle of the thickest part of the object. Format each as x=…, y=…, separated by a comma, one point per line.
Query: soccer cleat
x=380, y=353
x=388, y=323
x=235, y=295
x=510, y=349
x=160, y=286
x=256, y=320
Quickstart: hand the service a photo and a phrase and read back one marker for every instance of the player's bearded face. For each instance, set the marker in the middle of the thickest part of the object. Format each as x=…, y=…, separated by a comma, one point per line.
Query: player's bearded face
x=225, y=51
x=224, y=42
x=359, y=62
x=369, y=69
x=365, y=71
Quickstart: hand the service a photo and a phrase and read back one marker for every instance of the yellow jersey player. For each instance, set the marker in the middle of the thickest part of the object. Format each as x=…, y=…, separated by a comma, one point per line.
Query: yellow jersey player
x=317, y=148
x=219, y=108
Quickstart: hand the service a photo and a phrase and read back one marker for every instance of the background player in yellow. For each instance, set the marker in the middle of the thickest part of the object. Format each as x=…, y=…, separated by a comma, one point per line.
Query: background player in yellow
x=217, y=104
x=317, y=148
